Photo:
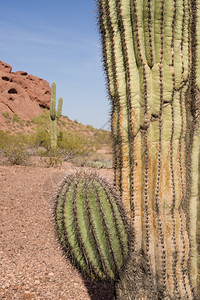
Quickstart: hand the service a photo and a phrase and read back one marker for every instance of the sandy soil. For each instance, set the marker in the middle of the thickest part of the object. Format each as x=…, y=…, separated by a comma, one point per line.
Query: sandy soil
x=32, y=265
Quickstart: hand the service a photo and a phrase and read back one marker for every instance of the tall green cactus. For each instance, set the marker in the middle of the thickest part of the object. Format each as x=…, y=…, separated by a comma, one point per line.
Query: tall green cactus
x=91, y=225
x=151, y=54
x=54, y=115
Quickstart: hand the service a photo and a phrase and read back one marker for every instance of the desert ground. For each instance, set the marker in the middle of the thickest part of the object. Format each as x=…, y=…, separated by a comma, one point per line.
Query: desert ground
x=32, y=264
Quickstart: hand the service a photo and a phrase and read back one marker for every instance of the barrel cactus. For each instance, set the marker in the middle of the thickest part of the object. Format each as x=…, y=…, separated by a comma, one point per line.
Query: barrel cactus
x=91, y=226
x=151, y=53
x=54, y=115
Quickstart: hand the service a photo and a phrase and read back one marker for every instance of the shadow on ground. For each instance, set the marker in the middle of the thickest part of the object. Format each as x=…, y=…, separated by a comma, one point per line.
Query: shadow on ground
x=100, y=290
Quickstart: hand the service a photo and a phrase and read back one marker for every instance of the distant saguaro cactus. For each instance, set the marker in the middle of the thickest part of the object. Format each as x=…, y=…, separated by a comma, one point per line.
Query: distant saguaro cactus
x=54, y=115
x=151, y=53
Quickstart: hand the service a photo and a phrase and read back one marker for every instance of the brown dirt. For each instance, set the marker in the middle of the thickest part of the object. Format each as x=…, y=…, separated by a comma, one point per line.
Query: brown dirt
x=32, y=265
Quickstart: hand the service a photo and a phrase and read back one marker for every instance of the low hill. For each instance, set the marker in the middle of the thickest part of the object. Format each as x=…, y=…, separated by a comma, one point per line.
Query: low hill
x=24, y=113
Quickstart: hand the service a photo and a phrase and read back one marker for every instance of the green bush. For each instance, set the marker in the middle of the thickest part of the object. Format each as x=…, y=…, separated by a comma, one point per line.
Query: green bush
x=17, y=119
x=42, y=120
x=75, y=143
x=102, y=137
x=51, y=158
x=41, y=138
x=6, y=114
x=13, y=149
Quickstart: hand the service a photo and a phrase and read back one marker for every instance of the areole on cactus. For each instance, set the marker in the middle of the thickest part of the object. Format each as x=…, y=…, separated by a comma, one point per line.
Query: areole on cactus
x=151, y=53
x=54, y=115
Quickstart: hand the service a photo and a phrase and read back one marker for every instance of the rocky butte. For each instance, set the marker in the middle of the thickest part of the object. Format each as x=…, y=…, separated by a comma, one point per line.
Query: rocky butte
x=22, y=94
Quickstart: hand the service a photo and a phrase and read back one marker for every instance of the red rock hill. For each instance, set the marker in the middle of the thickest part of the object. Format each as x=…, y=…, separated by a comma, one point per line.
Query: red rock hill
x=22, y=94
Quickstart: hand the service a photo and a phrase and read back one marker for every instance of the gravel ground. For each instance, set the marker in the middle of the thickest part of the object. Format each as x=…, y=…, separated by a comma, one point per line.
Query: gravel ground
x=32, y=265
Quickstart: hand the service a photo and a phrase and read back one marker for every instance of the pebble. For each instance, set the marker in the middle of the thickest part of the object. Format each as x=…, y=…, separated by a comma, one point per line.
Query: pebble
x=27, y=292
x=37, y=282
x=6, y=285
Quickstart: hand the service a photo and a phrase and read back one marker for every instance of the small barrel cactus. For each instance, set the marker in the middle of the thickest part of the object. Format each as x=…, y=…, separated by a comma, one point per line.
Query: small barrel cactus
x=91, y=226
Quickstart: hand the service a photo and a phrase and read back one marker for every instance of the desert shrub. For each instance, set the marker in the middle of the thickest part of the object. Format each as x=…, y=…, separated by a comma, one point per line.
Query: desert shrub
x=75, y=143
x=41, y=138
x=94, y=160
x=17, y=119
x=28, y=122
x=102, y=137
x=13, y=149
x=90, y=127
x=99, y=164
x=42, y=135
x=42, y=120
x=51, y=158
x=61, y=122
x=6, y=114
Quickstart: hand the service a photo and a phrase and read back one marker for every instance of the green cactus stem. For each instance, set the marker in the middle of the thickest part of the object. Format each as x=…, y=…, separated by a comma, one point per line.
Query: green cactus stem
x=91, y=226
x=54, y=115
x=151, y=53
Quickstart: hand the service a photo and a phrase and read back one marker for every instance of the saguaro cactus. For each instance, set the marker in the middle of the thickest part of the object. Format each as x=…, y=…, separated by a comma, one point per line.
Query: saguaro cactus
x=91, y=225
x=151, y=56
x=54, y=115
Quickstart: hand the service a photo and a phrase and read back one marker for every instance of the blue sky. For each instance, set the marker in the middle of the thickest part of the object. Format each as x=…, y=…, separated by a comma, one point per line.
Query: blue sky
x=58, y=40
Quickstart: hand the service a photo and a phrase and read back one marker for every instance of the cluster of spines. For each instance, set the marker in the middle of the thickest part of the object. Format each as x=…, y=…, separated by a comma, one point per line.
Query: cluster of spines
x=91, y=226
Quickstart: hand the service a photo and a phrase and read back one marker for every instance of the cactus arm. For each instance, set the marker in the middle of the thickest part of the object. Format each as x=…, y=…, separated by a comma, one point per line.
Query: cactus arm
x=53, y=101
x=59, y=108
x=121, y=105
x=109, y=69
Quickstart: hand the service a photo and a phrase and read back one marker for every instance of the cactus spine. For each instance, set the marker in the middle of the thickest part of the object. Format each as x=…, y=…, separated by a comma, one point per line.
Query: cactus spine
x=151, y=54
x=91, y=226
x=54, y=115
